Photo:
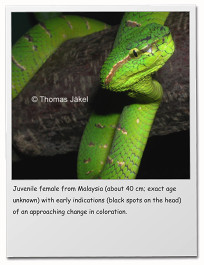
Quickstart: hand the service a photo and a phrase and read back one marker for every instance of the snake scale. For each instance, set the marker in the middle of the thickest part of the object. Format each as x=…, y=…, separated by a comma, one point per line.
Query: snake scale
x=112, y=144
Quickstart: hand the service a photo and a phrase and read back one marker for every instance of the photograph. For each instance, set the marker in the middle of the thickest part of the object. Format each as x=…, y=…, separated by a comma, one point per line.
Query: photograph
x=100, y=95
x=97, y=94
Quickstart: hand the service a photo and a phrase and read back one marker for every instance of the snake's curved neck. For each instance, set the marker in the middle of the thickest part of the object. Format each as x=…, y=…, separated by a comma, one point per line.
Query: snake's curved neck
x=152, y=91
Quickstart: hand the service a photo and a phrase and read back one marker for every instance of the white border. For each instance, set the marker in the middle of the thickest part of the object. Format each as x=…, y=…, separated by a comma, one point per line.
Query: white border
x=105, y=8
x=101, y=8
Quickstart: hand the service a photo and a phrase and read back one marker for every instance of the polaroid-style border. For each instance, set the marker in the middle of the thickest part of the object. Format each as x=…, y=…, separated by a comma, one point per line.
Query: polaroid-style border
x=187, y=186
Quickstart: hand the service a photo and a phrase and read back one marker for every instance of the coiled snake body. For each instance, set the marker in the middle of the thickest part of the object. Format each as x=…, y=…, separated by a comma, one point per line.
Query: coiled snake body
x=112, y=145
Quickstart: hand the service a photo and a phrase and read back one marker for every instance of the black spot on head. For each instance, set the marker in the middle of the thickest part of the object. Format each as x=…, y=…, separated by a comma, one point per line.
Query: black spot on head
x=147, y=38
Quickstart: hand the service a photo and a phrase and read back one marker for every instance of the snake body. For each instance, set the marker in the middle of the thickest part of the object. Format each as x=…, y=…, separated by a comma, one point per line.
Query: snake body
x=35, y=47
x=112, y=145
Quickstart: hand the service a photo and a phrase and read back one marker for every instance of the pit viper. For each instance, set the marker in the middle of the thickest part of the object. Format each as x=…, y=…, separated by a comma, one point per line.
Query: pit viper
x=112, y=144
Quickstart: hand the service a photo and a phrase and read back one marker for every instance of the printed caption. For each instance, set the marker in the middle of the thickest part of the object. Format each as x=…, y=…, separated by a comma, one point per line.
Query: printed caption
x=82, y=200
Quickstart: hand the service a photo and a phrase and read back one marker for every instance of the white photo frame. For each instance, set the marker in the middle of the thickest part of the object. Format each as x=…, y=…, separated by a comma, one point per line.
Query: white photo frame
x=139, y=230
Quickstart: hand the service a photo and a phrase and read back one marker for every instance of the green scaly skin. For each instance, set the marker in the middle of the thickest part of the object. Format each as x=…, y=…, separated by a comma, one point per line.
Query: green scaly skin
x=112, y=145
x=33, y=49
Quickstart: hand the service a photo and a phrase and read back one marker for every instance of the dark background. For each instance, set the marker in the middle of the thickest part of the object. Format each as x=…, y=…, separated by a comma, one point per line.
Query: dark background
x=22, y=22
x=165, y=157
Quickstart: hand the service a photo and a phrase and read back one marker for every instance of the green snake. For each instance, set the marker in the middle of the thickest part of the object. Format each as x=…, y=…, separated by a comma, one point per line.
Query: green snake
x=112, y=144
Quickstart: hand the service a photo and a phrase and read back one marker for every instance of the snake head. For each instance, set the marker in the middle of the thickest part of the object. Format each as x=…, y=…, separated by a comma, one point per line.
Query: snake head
x=141, y=52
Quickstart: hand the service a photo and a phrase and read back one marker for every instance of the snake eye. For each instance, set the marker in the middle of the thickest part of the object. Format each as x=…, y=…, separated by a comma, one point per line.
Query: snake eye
x=135, y=53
